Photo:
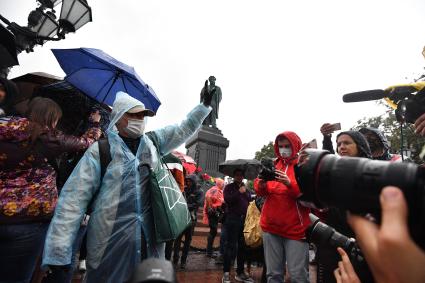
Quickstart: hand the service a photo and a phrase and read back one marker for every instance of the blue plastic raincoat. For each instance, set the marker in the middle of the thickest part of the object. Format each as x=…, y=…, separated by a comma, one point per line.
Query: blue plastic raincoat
x=122, y=210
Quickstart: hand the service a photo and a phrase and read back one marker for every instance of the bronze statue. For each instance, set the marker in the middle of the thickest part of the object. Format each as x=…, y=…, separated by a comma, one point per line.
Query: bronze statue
x=216, y=90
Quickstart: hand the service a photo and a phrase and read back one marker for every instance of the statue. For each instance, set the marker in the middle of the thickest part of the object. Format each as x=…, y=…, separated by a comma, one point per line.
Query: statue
x=211, y=118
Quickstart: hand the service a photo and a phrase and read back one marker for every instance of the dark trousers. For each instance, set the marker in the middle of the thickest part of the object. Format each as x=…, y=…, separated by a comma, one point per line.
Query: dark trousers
x=20, y=247
x=235, y=243
x=223, y=238
x=213, y=224
x=187, y=240
x=169, y=249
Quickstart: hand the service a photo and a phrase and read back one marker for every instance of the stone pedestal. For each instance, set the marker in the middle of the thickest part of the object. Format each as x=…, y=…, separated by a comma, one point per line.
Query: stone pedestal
x=208, y=148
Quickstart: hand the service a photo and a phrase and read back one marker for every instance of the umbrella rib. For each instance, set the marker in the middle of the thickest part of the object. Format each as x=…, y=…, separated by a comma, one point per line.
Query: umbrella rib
x=113, y=66
x=112, y=84
x=87, y=68
x=100, y=90
x=136, y=86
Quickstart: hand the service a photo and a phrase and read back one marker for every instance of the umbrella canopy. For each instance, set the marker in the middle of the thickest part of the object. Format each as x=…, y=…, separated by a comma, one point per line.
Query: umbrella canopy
x=8, y=56
x=188, y=163
x=28, y=85
x=250, y=167
x=189, y=167
x=101, y=76
x=183, y=157
x=76, y=107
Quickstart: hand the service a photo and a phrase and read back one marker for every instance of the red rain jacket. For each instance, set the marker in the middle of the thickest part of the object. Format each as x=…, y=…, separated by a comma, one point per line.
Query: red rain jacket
x=281, y=214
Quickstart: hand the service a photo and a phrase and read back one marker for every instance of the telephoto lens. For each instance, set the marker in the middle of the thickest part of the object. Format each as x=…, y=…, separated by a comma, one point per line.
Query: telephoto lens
x=354, y=184
x=326, y=236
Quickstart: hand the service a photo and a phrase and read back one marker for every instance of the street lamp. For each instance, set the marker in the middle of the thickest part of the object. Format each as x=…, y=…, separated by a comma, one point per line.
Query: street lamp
x=43, y=26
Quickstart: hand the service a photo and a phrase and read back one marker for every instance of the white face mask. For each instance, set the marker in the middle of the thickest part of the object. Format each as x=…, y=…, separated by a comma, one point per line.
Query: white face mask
x=285, y=152
x=135, y=128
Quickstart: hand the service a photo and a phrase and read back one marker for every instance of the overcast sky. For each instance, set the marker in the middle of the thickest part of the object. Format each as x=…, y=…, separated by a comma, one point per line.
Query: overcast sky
x=281, y=65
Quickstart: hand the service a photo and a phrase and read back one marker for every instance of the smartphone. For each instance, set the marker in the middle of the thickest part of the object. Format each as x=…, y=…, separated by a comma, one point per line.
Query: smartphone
x=336, y=127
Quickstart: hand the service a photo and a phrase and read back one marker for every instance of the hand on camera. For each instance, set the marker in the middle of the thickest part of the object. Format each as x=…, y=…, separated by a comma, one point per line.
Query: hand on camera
x=420, y=125
x=326, y=129
x=345, y=272
x=389, y=250
x=282, y=177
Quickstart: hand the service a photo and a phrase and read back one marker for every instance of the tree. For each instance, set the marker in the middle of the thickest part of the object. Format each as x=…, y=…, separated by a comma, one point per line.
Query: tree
x=267, y=151
x=389, y=125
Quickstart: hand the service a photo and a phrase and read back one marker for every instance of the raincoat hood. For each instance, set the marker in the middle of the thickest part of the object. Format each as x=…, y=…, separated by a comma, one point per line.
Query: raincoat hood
x=383, y=140
x=295, y=142
x=219, y=183
x=123, y=102
x=361, y=142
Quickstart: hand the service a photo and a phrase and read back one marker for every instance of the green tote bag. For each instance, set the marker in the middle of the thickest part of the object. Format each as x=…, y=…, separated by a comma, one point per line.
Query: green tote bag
x=170, y=212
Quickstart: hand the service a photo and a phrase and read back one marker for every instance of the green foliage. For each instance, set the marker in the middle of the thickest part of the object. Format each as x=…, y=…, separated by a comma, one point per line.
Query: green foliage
x=267, y=151
x=389, y=125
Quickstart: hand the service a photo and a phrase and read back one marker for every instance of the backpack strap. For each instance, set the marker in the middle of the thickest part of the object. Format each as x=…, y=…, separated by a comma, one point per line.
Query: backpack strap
x=104, y=158
x=152, y=136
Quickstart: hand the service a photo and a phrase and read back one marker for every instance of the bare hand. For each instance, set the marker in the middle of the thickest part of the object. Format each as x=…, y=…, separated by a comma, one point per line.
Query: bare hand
x=389, y=250
x=326, y=129
x=282, y=177
x=95, y=116
x=345, y=272
x=242, y=189
x=420, y=125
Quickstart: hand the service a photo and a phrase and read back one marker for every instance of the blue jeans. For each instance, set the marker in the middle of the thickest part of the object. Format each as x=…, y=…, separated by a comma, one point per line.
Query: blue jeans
x=20, y=247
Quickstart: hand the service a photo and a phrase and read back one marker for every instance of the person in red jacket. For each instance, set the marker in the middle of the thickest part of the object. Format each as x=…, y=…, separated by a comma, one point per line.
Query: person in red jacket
x=283, y=219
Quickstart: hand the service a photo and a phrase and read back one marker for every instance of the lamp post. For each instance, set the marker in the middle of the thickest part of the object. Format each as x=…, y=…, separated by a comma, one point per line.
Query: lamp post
x=43, y=26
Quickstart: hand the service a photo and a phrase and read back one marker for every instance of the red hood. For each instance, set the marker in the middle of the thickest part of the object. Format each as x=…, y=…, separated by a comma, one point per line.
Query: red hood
x=296, y=144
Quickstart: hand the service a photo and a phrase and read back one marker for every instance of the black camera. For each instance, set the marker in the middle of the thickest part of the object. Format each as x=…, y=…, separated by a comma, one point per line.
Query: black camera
x=267, y=170
x=326, y=237
x=354, y=184
x=323, y=235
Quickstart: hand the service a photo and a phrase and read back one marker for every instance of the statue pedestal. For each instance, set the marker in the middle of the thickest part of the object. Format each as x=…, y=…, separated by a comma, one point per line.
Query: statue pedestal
x=208, y=148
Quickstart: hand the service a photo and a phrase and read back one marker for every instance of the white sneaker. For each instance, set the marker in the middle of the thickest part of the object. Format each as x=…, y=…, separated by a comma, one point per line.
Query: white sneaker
x=82, y=266
x=226, y=278
x=243, y=277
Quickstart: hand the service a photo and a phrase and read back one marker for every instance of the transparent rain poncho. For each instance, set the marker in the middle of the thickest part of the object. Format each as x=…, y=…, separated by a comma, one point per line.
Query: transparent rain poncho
x=122, y=210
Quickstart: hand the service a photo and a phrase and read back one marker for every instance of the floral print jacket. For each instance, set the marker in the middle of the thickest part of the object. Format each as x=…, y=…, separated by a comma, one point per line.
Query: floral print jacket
x=27, y=181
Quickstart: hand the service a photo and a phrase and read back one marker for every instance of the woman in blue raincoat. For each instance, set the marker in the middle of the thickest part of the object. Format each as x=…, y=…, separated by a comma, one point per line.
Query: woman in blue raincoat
x=122, y=212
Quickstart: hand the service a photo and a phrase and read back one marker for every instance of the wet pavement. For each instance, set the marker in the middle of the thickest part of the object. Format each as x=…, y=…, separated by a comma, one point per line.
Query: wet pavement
x=200, y=268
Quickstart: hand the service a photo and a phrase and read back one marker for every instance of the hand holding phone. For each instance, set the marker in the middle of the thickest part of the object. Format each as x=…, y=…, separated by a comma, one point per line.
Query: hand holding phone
x=328, y=129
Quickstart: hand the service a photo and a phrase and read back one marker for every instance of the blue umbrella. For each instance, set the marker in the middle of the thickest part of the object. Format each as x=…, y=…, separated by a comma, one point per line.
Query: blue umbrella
x=101, y=76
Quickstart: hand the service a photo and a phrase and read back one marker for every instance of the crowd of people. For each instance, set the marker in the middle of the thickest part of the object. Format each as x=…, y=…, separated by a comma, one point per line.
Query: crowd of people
x=104, y=205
